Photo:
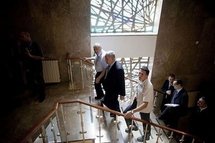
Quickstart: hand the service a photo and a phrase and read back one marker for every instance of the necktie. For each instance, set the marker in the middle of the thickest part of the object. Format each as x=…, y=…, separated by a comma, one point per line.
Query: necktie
x=107, y=70
x=174, y=96
x=97, y=60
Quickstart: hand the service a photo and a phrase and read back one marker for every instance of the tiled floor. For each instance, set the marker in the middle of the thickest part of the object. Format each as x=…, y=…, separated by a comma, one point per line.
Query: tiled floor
x=20, y=120
x=27, y=112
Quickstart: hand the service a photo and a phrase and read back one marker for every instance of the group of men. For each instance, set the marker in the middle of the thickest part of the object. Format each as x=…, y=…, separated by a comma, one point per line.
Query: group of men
x=110, y=78
x=173, y=104
x=110, y=85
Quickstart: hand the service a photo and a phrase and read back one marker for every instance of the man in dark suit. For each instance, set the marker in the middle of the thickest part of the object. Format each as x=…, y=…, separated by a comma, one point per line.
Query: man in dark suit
x=200, y=120
x=114, y=83
x=165, y=96
x=179, y=103
x=168, y=89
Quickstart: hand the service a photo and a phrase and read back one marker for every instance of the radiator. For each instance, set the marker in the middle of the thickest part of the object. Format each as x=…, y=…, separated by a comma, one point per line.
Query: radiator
x=51, y=72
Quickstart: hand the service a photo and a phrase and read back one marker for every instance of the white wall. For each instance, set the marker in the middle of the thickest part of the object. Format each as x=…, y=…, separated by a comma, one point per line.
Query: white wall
x=127, y=45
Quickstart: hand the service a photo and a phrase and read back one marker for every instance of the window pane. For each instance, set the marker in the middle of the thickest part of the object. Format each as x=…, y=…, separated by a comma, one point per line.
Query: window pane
x=122, y=16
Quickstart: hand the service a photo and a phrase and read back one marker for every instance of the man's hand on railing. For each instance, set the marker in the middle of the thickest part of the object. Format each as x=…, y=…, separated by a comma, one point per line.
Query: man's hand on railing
x=129, y=114
x=87, y=59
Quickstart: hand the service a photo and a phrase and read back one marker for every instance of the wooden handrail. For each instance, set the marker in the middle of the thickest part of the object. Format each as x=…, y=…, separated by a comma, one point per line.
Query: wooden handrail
x=37, y=126
x=82, y=59
x=121, y=114
x=159, y=91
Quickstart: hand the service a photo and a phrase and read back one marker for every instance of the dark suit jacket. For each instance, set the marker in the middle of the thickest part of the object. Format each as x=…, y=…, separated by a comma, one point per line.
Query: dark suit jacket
x=166, y=86
x=114, y=85
x=166, y=98
x=199, y=123
x=171, y=115
x=181, y=98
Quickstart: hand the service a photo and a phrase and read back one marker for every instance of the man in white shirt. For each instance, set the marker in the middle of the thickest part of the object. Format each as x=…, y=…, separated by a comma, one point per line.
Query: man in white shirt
x=144, y=100
x=100, y=66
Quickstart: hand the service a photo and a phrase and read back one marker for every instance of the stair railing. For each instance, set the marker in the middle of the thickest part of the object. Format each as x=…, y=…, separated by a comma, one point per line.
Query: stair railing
x=38, y=129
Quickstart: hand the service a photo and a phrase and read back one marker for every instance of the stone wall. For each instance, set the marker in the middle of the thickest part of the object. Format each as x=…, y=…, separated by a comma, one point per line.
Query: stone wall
x=185, y=44
x=61, y=27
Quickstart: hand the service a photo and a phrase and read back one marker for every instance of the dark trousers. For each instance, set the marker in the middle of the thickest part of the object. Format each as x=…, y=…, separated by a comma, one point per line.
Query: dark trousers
x=170, y=116
x=128, y=108
x=111, y=103
x=146, y=116
x=166, y=99
x=143, y=116
x=98, y=86
x=36, y=84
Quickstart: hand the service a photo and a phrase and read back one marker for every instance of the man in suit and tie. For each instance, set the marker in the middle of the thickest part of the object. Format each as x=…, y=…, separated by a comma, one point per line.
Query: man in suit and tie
x=165, y=97
x=167, y=88
x=171, y=114
x=114, y=83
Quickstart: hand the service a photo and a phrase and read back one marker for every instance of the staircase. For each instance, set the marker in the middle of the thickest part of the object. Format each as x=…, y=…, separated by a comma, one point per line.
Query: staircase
x=81, y=123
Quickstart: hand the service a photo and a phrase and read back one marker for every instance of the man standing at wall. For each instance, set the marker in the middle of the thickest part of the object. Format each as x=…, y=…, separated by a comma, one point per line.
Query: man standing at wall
x=32, y=59
x=166, y=95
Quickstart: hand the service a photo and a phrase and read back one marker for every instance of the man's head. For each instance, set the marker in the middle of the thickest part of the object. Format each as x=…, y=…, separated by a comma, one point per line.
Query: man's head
x=171, y=77
x=97, y=48
x=178, y=84
x=110, y=57
x=202, y=102
x=25, y=37
x=143, y=73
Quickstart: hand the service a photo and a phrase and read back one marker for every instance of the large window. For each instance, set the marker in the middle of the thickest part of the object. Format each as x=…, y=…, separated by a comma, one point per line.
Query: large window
x=125, y=16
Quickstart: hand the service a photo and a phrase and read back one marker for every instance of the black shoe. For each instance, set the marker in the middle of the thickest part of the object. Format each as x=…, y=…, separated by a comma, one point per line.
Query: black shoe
x=134, y=128
x=141, y=139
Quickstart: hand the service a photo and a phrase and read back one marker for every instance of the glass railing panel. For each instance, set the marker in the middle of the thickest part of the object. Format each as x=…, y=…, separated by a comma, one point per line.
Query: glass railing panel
x=81, y=121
